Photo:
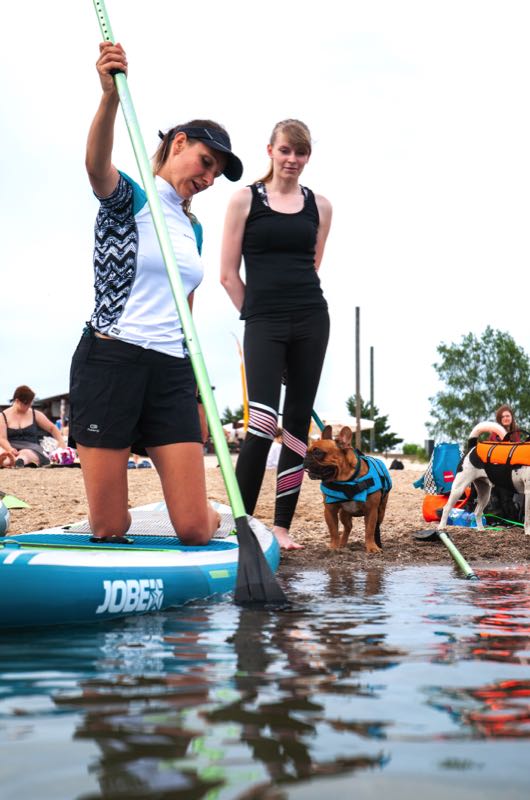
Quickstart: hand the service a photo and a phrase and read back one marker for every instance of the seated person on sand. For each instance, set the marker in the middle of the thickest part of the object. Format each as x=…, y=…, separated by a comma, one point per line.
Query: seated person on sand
x=504, y=416
x=21, y=429
x=504, y=503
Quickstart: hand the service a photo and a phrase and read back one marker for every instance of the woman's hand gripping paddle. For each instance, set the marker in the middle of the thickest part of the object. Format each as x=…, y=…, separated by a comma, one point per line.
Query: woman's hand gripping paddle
x=256, y=583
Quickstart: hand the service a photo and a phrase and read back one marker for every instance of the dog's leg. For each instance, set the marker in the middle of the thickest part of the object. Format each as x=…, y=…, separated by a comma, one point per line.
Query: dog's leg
x=527, y=508
x=380, y=517
x=331, y=515
x=460, y=484
x=346, y=520
x=377, y=535
x=483, y=487
x=370, y=522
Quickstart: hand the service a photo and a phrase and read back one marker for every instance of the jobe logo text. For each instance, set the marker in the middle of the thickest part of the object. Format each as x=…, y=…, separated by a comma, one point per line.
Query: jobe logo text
x=146, y=594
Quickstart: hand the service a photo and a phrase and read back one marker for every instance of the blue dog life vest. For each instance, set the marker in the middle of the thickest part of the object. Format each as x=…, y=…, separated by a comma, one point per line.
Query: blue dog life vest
x=376, y=479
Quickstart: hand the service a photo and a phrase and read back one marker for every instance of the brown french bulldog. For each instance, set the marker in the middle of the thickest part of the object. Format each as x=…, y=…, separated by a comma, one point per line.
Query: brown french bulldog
x=334, y=462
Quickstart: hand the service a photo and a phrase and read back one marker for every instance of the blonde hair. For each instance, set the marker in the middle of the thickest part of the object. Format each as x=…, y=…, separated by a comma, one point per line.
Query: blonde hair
x=163, y=150
x=298, y=136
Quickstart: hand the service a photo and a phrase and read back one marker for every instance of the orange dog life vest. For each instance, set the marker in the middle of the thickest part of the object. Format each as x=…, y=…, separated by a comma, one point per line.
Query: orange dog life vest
x=512, y=454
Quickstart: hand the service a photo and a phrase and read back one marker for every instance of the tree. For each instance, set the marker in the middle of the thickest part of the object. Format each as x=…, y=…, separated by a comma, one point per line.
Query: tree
x=384, y=440
x=480, y=374
x=232, y=416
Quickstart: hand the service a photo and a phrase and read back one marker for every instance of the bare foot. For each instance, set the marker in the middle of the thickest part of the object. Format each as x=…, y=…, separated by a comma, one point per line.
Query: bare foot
x=214, y=520
x=284, y=540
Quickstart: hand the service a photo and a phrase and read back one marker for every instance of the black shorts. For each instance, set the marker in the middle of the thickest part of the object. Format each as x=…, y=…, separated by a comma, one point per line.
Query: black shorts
x=123, y=396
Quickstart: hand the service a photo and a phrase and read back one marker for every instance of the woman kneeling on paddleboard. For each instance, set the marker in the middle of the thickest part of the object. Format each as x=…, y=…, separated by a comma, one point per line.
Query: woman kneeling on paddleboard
x=132, y=386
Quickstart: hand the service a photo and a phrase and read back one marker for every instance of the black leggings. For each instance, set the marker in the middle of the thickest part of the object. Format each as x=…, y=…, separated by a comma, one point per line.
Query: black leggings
x=297, y=343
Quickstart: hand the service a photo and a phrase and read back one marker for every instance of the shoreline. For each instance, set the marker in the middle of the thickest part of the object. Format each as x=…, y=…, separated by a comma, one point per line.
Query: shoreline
x=57, y=497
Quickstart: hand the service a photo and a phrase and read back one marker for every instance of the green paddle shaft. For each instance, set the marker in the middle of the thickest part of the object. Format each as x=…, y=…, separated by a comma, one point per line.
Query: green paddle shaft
x=458, y=558
x=181, y=301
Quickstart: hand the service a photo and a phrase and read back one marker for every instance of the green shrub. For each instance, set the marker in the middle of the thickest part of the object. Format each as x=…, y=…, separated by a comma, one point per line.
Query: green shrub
x=415, y=451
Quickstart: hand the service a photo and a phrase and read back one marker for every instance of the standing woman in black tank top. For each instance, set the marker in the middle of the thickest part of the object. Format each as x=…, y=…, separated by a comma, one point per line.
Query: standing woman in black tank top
x=280, y=229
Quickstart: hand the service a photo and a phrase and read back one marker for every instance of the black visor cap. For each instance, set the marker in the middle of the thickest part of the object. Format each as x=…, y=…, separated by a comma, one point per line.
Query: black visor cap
x=217, y=140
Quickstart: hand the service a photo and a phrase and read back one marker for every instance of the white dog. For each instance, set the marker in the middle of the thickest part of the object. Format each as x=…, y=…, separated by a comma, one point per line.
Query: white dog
x=517, y=478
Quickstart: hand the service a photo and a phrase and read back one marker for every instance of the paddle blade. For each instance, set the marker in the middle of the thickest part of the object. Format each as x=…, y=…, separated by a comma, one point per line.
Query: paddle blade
x=256, y=583
x=428, y=535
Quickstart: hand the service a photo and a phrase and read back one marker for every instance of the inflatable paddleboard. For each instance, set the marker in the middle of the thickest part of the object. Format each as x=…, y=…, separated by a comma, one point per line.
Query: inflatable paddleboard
x=58, y=576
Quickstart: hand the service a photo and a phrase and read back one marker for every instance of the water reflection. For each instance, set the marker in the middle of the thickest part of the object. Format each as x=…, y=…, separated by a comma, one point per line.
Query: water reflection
x=500, y=633
x=283, y=671
x=497, y=710
x=139, y=718
x=253, y=707
x=217, y=702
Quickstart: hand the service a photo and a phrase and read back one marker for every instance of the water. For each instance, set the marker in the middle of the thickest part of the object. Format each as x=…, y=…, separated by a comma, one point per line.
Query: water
x=381, y=683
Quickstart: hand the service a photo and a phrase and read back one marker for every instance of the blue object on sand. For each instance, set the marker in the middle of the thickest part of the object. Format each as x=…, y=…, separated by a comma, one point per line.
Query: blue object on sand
x=5, y=518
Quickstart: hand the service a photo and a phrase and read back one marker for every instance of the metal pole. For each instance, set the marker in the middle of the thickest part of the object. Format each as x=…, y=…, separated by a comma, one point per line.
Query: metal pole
x=372, y=431
x=357, y=379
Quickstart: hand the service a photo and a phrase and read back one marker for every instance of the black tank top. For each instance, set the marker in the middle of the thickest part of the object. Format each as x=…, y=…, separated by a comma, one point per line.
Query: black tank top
x=279, y=253
x=28, y=434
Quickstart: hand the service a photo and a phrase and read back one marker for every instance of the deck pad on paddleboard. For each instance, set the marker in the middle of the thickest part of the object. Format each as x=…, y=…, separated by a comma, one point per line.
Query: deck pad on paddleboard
x=154, y=521
x=138, y=542
x=150, y=528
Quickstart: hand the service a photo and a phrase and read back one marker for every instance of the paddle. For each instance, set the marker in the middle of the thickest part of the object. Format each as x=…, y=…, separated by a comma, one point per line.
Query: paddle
x=243, y=383
x=317, y=419
x=255, y=583
x=431, y=535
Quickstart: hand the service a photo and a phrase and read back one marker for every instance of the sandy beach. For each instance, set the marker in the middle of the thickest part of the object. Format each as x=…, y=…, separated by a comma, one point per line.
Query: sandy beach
x=56, y=497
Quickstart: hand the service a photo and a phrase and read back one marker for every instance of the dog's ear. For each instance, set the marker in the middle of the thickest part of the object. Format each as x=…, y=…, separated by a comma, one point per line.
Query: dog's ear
x=344, y=438
x=327, y=433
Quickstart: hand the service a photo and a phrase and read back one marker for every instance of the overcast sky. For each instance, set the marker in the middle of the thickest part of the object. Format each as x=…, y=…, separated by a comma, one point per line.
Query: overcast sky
x=420, y=118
